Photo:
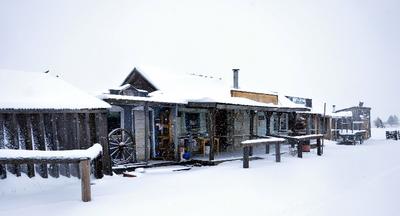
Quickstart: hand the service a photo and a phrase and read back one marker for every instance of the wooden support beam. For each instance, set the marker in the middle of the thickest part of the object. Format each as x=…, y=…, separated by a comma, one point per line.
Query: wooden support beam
x=14, y=130
x=51, y=145
x=146, y=132
x=268, y=116
x=277, y=152
x=175, y=132
x=316, y=124
x=309, y=124
x=85, y=180
x=2, y=145
x=267, y=149
x=252, y=115
x=246, y=156
x=86, y=128
x=27, y=133
x=91, y=137
x=319, y=147
x=62, y=137
x=102, y=136
x=299, y=149
x=3, y=173
x=211, y=131
x=279, y=122
x=72, y=131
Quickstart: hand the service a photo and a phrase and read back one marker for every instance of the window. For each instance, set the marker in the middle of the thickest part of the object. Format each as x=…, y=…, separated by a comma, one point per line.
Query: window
x=192, y=121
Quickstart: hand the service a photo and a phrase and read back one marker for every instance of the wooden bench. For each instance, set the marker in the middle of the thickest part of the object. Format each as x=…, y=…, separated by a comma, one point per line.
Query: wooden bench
x=265, y=141
x=300, y=140
x=83, y=157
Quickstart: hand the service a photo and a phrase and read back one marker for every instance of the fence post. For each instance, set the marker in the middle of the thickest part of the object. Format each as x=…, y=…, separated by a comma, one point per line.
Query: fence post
x=246, y=152
x=85, y=180
x=319, y=147
x=299, y=149
x=277, y=152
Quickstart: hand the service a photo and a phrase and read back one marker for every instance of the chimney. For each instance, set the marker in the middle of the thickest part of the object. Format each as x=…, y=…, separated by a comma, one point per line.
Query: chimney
x=333, y=108
x=361, y=104
x=235, y=78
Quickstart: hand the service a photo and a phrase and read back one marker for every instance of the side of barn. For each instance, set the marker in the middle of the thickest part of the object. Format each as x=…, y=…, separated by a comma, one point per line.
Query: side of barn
x=42, y=112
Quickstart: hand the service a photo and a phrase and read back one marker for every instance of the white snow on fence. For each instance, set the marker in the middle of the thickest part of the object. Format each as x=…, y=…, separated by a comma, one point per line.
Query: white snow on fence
x=90, y=153
x=29, y=90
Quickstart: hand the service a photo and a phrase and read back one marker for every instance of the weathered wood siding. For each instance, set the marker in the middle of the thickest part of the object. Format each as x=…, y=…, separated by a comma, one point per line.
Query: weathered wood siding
x=260, y=97
x=52, y=131
x=140, y=135
x=241, y=127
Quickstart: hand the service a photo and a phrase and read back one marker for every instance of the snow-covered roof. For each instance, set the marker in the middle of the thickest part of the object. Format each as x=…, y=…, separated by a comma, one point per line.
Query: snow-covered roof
x=123, y=87
x=29, y=90
x=182, y=88
x=342, y=114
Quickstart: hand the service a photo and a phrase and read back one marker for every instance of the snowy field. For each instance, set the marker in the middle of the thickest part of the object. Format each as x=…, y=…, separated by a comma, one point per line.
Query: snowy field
x=346, y=180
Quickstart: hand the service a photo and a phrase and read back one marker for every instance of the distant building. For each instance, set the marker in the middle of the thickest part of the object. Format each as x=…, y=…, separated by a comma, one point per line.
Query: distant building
x=360, y=119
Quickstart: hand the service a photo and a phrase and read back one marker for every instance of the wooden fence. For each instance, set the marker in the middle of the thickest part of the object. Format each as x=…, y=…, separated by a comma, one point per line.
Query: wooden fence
x=53, y=131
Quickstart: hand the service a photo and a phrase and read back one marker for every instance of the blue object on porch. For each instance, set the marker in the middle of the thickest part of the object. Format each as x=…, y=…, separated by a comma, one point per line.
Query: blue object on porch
x=187, y=155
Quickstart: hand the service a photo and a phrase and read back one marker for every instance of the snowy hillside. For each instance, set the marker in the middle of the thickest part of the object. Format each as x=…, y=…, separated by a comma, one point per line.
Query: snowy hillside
x=346, y=180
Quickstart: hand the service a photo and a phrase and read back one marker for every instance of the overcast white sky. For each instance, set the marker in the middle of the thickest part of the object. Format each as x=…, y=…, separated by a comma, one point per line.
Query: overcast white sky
x=340, y=51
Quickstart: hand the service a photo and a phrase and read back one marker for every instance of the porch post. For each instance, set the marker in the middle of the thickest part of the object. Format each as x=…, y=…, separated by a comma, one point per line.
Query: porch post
x=268, y=123
x=175, y=131
x=252, y=114
x=268, y=127
x=277, y=152
x=211, y=131
x=319, y=147
x=294, y=117
x=146, y=131
x=309, y=123
x=279, y=122
x=299, y=148
x=316, y=123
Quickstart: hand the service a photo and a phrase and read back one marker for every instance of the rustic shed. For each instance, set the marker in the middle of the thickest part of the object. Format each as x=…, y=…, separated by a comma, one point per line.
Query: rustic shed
x=41, y=112
x=360, y=118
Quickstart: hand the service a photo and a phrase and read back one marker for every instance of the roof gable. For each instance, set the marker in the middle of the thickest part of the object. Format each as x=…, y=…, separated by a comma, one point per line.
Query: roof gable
x=139, y=81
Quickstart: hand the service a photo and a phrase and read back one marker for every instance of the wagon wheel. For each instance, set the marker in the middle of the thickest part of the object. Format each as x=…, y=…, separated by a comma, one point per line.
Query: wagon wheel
x=122, y=146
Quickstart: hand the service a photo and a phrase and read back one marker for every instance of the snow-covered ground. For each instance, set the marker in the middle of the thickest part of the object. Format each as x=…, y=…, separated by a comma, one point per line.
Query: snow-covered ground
x=346, y=180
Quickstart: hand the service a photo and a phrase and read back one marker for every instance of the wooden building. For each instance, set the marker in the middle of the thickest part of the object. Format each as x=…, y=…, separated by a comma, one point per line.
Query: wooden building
x=42, y=112
x=169, y=114
x=360, y=118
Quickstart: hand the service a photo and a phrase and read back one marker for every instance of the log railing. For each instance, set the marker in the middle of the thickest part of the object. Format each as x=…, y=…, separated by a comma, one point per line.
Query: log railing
x=81, y=157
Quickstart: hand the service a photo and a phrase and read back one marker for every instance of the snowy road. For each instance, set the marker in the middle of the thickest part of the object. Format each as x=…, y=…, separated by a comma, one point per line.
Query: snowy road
x=346, y=180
